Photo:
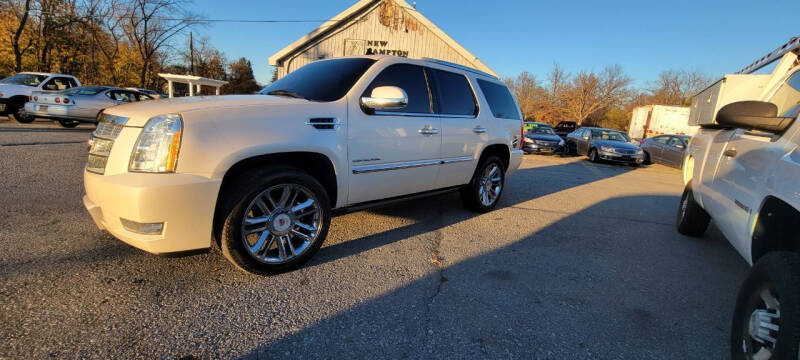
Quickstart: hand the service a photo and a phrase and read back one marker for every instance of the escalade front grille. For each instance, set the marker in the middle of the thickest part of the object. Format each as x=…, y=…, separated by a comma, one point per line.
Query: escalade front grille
x=102, y=140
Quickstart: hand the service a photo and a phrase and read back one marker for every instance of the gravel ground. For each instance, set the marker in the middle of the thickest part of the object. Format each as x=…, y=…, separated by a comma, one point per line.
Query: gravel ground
x=580, y=261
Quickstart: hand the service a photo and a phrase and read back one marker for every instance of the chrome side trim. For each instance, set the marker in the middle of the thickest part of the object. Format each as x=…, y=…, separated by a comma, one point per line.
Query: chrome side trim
x=386, y=167
x=390, y=113
x=456, y=160
x=457, y=116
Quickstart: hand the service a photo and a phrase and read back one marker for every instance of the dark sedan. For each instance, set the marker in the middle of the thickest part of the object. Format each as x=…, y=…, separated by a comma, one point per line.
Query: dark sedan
x=605, y=144
x=542, y=139
x=665, y=149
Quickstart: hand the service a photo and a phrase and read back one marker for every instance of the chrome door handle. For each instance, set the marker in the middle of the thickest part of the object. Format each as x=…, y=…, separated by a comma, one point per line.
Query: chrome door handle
x=730, y=152
x=428, y=130
x=479, y=129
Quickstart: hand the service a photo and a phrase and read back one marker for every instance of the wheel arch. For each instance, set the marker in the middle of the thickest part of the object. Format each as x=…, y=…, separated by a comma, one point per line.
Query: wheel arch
x=318, y=165
x=18, y=100
x=775, y=228
x=500, y=150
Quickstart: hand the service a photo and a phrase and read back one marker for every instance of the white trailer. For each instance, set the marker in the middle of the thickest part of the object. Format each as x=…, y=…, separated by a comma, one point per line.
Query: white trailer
x=652, y=120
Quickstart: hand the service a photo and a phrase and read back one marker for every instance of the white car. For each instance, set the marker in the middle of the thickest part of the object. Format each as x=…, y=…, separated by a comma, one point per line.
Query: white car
x=16, y=90
x=743, y=171
x=258, y=175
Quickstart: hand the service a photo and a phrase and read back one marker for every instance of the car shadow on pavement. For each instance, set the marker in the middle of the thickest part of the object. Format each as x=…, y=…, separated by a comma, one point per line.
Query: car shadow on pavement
x=428, y=214
x=596, y=284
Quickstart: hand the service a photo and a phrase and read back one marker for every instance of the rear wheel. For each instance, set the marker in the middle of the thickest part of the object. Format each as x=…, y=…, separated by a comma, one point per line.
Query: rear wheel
x=692, y=219
x=483, y=192
x=275, y=220
x=17, y=113
x=766, y=322
x=68, y=123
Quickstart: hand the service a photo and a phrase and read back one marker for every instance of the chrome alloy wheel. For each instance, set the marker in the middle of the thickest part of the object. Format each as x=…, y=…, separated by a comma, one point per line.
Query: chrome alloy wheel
x=281, y=223
x=762, y=327
x=490, y=185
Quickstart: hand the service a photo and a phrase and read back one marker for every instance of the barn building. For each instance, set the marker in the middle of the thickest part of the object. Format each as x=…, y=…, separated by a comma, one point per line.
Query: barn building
x=375, y=27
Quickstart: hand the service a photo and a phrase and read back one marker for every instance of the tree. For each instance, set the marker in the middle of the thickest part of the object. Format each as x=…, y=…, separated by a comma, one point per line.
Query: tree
x=241, y=79
x=21, y=14
x=530, y=96
x=676, y=87
x=590, y=93
x=150, y=24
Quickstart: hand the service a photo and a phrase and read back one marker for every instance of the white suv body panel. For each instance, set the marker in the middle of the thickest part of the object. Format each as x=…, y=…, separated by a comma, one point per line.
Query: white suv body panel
x=221, y=131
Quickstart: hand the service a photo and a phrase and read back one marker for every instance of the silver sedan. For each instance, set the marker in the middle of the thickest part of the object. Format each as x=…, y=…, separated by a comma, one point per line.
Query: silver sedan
x=81, y=104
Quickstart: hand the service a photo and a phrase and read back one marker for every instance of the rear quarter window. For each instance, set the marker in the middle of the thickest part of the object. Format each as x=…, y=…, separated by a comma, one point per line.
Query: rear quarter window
x=500, y=100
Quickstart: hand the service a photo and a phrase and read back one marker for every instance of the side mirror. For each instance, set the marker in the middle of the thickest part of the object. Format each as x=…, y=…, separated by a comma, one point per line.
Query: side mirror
x=385, y=98
x=753, y=115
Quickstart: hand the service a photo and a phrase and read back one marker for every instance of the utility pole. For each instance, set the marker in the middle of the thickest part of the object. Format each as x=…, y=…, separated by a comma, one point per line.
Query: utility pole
x=191, y=54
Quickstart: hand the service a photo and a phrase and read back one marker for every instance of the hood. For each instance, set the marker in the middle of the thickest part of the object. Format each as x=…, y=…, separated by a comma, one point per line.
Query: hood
x=10, y=90
x=546, y=137
x=139, y=112
x=615, y=144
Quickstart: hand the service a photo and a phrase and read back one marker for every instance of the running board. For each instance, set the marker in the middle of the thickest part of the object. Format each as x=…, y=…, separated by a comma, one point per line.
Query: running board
x=393, y=200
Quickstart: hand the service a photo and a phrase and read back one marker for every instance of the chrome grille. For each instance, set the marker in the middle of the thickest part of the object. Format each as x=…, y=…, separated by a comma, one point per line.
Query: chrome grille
x=626, y=151
x=102, y=140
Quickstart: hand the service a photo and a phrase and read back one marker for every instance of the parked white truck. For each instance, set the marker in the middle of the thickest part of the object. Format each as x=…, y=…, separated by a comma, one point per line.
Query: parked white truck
x=742, y=170
x=16, y=90
x=652, y=120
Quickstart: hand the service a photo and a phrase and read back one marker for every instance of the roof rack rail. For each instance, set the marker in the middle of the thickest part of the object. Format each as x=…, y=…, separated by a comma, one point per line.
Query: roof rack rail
x=792, y=45
x=459, y=66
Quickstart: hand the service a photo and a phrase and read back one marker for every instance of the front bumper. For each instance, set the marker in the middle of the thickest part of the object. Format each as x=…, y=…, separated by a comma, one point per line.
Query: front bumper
x=183, y=203
x=623, y=158
x=541, y=149
x=49, y=111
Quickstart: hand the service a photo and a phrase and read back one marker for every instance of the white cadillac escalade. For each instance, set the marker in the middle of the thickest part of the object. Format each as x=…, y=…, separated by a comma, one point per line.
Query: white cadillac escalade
x=259, y=175
x=742, y=170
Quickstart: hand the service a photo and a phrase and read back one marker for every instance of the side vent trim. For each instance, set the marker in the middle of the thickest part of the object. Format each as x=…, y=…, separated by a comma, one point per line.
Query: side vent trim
x=324, y=123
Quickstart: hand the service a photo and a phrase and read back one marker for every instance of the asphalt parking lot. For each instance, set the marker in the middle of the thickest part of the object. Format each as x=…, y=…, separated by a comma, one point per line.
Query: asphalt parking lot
x=580, y=261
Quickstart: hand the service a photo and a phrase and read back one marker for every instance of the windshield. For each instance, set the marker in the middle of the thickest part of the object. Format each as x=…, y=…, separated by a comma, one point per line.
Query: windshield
x=85, y=90
x=542, y=130
x=327, y=80
x=24, y=79
x=609, y=135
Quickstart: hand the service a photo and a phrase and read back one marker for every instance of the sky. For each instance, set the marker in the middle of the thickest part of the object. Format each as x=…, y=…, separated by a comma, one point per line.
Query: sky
x=511, y=36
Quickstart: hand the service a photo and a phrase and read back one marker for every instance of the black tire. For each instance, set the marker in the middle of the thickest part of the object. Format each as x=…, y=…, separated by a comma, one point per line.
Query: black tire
x=778, y=273
x=471, y=194
x=238, y=200
x=17, y=113
x=593, y=155
x=69, y=124
x=647, y=160
x=692, y=220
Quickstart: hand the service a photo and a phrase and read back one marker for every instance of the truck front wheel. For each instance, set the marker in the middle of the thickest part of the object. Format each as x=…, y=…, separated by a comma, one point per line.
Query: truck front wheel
x=275, y=220
x=766, y=322
x=692, y=219
x=17, y=113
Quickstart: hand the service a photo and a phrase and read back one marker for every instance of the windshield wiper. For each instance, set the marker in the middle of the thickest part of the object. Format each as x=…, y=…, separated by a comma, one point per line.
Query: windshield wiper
x=286, y=93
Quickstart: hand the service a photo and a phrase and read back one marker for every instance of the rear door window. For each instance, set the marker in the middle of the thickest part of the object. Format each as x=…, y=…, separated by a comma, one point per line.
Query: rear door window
x=453, y=93
x=661, y=139
x=410, y=78
x=500, y=100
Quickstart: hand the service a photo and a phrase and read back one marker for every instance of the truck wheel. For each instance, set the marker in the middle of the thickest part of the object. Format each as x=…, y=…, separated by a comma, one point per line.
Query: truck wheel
x=69, y=124
x=766, y=322
x=692, y=219
x=483, y=192
x=18, y=114
x=593, y=155
x=275, y=220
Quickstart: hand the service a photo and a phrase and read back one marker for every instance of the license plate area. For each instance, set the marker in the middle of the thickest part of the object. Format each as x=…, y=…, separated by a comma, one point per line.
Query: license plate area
x=43, y=107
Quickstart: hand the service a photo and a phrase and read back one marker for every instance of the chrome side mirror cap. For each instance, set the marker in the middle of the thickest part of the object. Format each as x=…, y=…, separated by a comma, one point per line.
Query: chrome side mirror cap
x=385, y=98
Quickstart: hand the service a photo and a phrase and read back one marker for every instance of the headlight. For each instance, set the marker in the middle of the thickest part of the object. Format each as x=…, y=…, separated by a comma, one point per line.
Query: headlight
x=640, y=151
x=607, y=149
x=561, y=142
x=157, y=147
x=528, y=140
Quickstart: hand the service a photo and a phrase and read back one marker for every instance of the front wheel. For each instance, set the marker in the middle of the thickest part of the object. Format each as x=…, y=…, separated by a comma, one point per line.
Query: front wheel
x=275, y=220
x=69, y=124
x=484, y=190
x=766, y=322
x=647, y=159
x=593, y=156
x=692, y=219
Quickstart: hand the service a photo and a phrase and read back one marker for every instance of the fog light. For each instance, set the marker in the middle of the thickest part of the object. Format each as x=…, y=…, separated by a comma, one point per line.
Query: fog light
x=142, y=228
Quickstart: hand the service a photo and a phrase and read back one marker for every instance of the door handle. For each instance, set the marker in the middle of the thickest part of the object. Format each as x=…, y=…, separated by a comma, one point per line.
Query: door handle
x=730, y=152
x=428, y=130
x=479, y=129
